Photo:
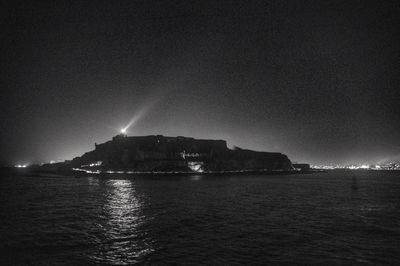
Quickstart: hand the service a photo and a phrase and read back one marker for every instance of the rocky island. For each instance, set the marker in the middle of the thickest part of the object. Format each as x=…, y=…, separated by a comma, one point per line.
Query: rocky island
x=157, y=153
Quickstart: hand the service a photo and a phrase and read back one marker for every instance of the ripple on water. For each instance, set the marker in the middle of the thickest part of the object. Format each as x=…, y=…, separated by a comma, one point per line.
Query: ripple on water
x=122, y=240
x=306, y=219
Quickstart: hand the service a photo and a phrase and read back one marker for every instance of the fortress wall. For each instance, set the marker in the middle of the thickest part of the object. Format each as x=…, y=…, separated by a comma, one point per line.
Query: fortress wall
x=157, y=151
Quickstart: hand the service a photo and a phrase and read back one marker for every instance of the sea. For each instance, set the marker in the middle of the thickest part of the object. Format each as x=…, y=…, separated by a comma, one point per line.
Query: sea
x=332, y=218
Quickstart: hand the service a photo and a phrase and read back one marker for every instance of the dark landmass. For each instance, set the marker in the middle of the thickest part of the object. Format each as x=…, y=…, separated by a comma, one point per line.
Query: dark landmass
x=171, y=154
x=302, y=166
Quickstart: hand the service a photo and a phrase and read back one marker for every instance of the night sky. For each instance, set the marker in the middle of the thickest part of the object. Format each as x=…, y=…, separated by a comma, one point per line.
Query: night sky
x=316, y=80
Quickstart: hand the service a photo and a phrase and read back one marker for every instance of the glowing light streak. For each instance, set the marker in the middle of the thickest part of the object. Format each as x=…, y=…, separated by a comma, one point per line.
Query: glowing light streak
x=140, y=114
x=148, y=104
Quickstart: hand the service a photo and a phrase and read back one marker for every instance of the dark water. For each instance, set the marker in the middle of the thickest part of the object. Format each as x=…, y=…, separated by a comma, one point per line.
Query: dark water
x=287, y=219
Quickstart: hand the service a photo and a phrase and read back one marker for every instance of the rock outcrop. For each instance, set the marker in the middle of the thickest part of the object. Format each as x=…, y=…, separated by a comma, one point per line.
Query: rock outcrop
x=160, y=153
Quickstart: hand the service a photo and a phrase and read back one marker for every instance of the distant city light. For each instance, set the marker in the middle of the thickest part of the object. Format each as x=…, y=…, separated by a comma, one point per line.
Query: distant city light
x=387, y=166
x=21, y=165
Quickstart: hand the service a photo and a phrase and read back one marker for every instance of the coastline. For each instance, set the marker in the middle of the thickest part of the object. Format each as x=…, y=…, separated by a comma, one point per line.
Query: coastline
x=111, y=173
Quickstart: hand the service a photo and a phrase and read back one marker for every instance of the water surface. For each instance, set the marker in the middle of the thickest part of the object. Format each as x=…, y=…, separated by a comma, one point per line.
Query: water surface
x=236, y=219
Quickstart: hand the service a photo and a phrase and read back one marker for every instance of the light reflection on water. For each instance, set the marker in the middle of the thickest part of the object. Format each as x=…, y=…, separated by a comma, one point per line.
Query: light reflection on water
x=123, y=242
x=318, y=219
x=93, y=182
x=196, y=177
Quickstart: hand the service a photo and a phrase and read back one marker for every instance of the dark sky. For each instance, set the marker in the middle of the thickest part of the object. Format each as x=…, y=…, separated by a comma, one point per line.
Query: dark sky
x=316, y=80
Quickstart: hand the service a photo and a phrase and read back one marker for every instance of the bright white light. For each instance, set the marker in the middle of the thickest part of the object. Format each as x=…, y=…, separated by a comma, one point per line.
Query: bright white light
x=140, y=114
x=21, y=165
x=196, y=166
x=123, y=130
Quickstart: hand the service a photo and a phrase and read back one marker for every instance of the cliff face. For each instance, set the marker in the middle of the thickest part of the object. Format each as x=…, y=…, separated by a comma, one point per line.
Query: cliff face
x=159, y=153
